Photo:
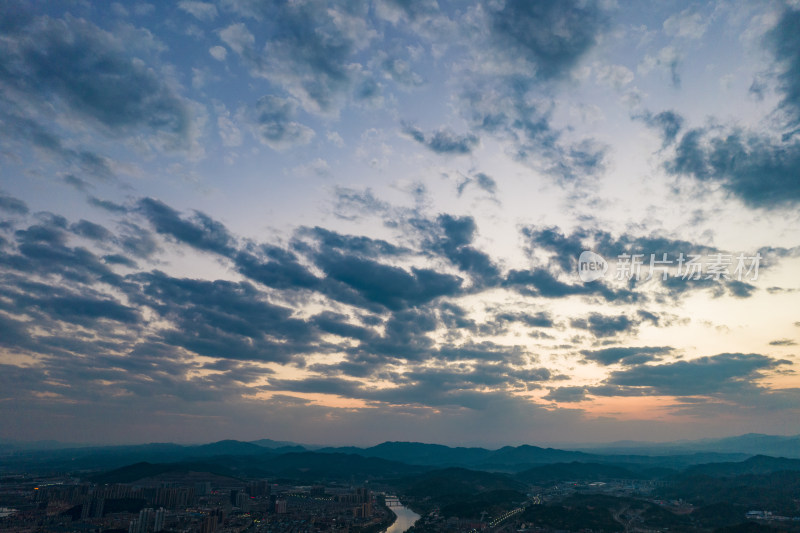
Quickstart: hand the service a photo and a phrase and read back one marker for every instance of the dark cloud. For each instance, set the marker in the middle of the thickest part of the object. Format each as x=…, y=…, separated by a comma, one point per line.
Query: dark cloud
x=224, y=319
x=90, y=230
x=723, y=373
x=76, y=182
x=309, y=50
x=648, y=316
x=605, y=325
x=459, y=233
x=486, y=351
x=552, y=35
x=369, y=90
x=137, y=241
x=447, y=386
x=119, y=259
x=740, y=289
x=201, y=231
x=540, y=319
x=351, y=204
x=379, y=318
x=539, y=45
x=443, y=141
x=481, y=181
x=759, y=168
x=275, y=126
x=328, y=240
x=80, y=309
x=455, y=317
x=541, y=282
x=107, y=205
x=784, y=42
x=23, y=127
x=783, y=342
x=42, y=250
x=512, y=109
x=565, y=249
x=667, y=123
x=387, y=285
x=627, y=355
x=275, y=267
x=13, y=205
x=73, y=62
x=340, y=325
x=756, y=169
x=566, y=394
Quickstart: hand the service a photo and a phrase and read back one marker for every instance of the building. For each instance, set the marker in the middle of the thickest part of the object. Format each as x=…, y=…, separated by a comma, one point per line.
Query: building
x=158, y=521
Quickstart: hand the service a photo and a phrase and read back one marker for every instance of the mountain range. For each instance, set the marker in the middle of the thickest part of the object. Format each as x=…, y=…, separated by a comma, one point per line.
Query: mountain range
x=16, y=456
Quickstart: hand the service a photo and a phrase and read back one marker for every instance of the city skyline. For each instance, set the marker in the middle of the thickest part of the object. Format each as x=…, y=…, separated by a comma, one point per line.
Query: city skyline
x=364, y=222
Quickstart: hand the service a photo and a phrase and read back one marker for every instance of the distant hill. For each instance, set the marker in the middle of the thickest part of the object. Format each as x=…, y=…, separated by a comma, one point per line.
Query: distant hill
x=510, y=455
x=326, y=466
x=749, y=444
x=131, y=473
x=574, y=471
x=281, y=445
x=775, y=491
x=304, y=466
x=443, y=456
x=418, y=453
x=760, y=464
x=507, y=459
x=455, y=483
x=225, y=447
x=139, y=471
x=754, y=443
x=111, y=457
x=518, y=458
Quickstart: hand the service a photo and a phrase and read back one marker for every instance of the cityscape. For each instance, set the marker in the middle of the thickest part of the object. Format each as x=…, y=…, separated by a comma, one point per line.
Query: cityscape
x=234, y=486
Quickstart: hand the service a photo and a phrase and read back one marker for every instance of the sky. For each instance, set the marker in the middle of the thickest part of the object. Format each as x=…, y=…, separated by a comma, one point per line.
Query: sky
x=360, y=221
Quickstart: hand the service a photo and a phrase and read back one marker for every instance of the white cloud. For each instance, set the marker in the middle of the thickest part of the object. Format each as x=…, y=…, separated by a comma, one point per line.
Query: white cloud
x=238, y=38
x=200, y=10
x=335, y=139
x=616, y=76
x=218, y=52
x=687, y=24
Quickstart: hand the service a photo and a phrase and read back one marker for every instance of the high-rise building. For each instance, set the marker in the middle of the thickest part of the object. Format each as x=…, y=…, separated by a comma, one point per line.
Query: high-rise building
x=242, y=501
x=158, y=521
x=281, y=506
x=258, y=488
x=145, y=517
x=212, y=521
x=202, y=488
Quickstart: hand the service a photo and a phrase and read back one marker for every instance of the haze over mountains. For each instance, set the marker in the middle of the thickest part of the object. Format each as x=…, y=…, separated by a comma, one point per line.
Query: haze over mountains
x=561, y=488
x=51, y=455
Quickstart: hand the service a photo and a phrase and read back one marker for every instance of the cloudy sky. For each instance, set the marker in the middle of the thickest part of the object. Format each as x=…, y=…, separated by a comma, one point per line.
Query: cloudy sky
x=352, y=222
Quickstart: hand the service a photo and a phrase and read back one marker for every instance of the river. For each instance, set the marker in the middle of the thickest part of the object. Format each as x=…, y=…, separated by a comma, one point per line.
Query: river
x=405, y=517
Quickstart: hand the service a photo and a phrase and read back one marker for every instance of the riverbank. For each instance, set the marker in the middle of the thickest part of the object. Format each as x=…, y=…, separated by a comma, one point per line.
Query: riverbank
x=405, y=517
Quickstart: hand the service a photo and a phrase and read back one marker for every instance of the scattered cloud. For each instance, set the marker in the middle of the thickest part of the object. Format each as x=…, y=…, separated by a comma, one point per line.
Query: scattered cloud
x=443, y=141
x=274, y=125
